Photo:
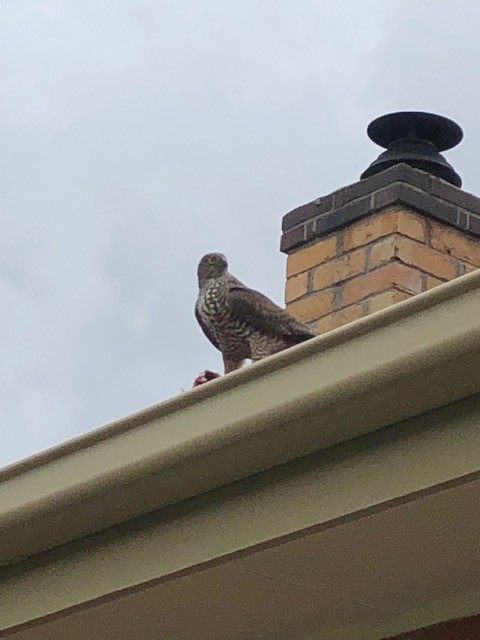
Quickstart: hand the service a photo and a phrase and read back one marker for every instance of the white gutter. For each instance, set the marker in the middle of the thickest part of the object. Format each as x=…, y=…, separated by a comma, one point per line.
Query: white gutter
x=413, y=357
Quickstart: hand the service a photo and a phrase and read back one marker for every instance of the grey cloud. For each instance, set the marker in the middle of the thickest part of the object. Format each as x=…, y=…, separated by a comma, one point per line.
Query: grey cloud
x=136, y=135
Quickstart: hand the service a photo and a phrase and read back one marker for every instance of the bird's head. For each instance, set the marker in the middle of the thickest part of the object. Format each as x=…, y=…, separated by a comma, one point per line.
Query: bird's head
x=212, y=265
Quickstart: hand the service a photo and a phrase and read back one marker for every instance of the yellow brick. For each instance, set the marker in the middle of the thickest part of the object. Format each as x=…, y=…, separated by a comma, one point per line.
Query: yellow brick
x=454, y=242
x=436, y=263
x=312, y=307
x=296, y=286
x=412, y=225
x=413, y=253
x=339, y=269
x=311, y=256
x=339, y=318
x=387, y=222
x=386, y=299
x=391, y=275
x=431, y=282
x=384, y=250
x=328, y=323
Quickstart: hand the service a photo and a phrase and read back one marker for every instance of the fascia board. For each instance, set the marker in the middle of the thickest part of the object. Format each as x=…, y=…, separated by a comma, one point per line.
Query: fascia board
x=413, y=357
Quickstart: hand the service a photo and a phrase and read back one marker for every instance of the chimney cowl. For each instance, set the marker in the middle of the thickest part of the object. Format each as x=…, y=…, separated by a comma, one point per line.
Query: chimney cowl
x=415, y=138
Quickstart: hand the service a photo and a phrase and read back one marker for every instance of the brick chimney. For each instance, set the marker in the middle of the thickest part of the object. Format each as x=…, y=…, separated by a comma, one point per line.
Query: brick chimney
x=405, y=227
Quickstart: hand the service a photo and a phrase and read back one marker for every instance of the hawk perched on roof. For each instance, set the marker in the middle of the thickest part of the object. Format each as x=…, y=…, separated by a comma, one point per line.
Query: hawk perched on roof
x=240, y=322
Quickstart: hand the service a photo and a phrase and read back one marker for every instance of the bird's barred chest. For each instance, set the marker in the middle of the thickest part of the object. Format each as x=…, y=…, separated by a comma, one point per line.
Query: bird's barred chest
x=229, y=331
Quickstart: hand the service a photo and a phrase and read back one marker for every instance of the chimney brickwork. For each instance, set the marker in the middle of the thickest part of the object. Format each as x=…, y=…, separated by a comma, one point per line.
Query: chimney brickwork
x=377, y=242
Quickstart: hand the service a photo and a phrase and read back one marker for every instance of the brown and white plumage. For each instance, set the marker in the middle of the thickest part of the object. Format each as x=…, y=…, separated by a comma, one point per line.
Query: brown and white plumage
x=241, y=322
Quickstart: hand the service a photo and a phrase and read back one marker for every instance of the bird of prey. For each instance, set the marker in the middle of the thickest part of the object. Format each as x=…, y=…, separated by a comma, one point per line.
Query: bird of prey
x=238, y=321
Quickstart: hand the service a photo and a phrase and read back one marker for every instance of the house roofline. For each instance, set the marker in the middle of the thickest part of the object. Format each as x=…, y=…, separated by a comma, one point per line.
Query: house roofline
x=334, y=388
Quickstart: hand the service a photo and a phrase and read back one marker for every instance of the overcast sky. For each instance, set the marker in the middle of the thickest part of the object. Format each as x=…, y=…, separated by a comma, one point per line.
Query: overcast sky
x=137, y=135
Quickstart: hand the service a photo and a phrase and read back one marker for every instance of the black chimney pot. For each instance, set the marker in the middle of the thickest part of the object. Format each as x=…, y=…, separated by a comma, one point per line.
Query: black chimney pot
x=415, y=138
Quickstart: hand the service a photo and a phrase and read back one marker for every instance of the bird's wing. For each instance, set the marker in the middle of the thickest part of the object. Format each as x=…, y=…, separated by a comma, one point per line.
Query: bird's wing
x=205, y=329
x=265, y=315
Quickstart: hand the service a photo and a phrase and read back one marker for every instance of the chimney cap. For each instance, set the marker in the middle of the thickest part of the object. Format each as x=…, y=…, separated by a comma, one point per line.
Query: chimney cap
x=415, y=138
x=442, y=132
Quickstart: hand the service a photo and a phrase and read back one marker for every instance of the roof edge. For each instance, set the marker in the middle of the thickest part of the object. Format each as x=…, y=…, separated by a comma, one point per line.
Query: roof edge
x=373, y=322
x=413, y=357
